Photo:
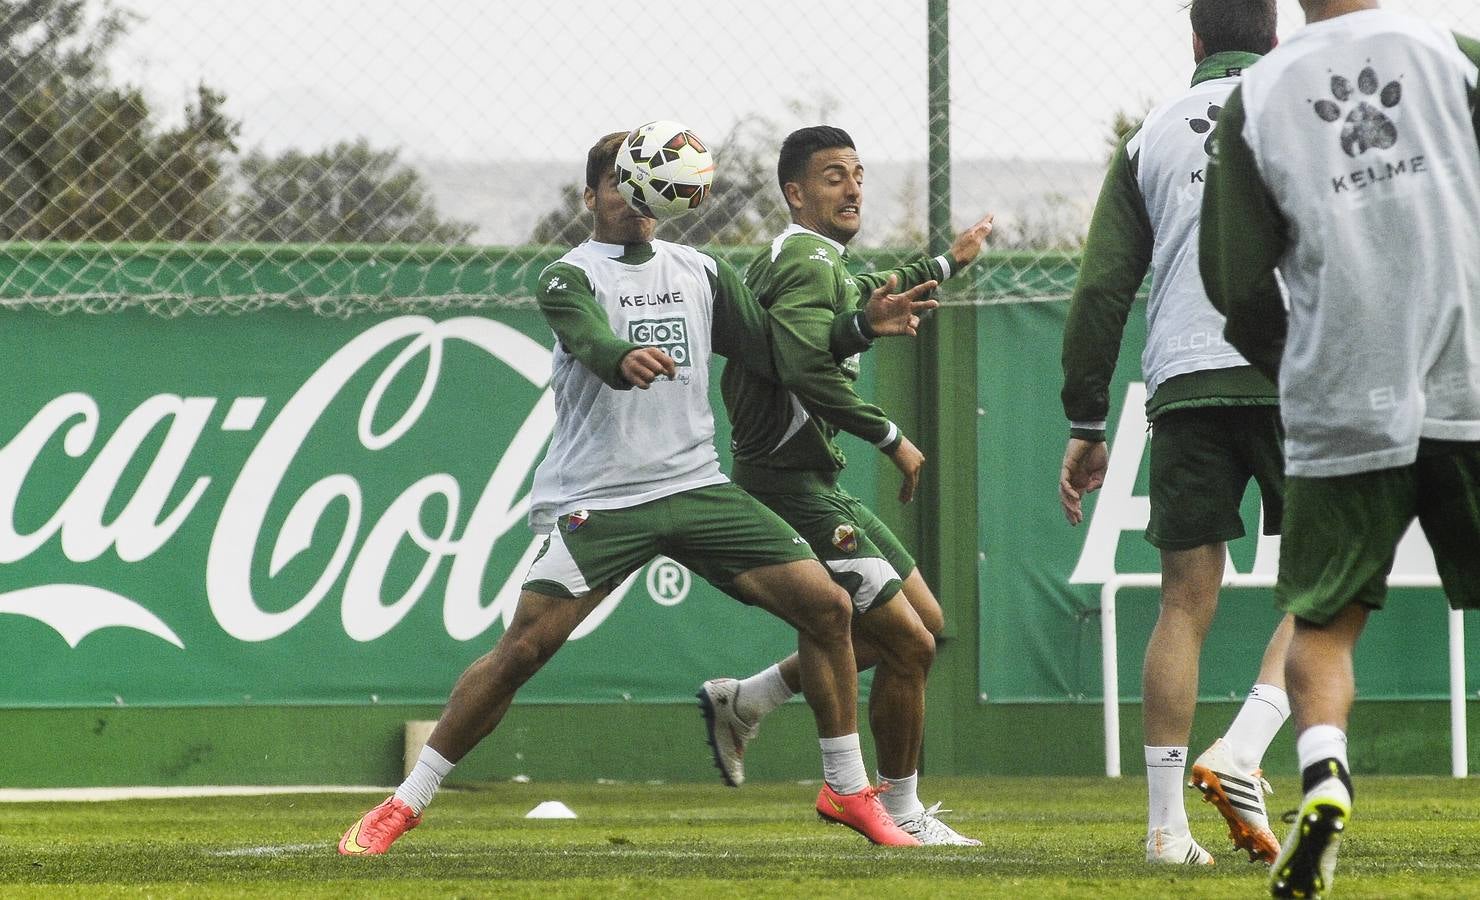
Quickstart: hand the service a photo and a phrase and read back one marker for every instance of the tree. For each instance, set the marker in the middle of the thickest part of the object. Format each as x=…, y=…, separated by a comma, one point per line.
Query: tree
x=82, y=159
x=1122, y=124
x=351, y=192
x=188, y=177
x=909, y=229
x=1052, y=222
x=569, y=222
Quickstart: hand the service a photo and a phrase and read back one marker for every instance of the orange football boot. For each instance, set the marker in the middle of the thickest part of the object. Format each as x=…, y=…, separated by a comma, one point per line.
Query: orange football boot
x=377, y=829
x=863, y=813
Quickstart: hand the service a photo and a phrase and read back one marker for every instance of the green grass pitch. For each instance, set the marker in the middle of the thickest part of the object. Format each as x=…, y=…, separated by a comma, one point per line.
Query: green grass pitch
x=1059, y=837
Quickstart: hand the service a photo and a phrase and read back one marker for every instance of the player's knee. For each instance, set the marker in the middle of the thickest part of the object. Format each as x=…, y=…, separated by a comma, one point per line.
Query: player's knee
x=932, y=618
x=917, y=651
x=1194, y=606
x=523, y=655
x=904, y=644
x=922, y=601
x=828, y=613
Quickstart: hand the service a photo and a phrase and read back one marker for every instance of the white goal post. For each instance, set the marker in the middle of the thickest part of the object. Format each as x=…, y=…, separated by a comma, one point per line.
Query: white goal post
x=1458, y=727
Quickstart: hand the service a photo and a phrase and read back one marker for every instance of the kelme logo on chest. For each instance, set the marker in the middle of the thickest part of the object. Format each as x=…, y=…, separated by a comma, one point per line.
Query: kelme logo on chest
x=669, y=335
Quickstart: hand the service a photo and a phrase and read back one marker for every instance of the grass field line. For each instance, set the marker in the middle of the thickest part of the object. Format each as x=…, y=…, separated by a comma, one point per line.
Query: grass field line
x=276, y=850
x=820, y=854
x=863, y=851
x=105, y=794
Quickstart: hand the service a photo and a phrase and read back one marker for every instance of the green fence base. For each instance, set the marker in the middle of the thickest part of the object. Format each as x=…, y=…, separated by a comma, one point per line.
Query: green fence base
x=359, y=745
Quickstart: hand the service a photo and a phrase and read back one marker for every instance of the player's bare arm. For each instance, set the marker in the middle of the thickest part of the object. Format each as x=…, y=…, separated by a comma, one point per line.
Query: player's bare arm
x=890, y=314
x=888, y=317
x=641, y=367
x=968, y=244
x=909, y=460
x=1083, y=472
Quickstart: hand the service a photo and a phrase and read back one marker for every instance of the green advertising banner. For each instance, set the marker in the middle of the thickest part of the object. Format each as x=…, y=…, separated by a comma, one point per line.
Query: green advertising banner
x=281, y=507
x=320, y=499
x=1040, y=579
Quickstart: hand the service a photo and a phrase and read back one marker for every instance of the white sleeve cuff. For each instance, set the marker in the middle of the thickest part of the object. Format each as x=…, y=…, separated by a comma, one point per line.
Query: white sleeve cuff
x=944, y=260
x=890, y=438
x=1088, y=426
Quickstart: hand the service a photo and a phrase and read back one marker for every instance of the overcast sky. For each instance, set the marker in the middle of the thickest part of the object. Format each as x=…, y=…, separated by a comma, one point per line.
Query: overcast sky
x=495, y=79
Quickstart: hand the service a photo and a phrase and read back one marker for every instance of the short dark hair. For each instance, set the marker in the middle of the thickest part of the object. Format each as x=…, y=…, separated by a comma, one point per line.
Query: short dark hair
x=799, y=146
x=1243, y=25
x=602, y=157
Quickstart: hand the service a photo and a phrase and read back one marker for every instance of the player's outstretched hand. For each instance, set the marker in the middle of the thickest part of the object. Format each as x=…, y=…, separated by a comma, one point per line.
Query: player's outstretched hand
x=969, y=242
x=1083, y=472
x=642, y=366
x=908, y=459
x=891, y=314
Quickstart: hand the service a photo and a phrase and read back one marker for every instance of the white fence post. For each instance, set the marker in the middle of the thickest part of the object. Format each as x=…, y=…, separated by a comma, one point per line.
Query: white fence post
x=1459, y=743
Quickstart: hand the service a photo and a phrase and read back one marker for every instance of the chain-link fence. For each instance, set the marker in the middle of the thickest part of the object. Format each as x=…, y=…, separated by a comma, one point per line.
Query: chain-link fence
x=354, y=154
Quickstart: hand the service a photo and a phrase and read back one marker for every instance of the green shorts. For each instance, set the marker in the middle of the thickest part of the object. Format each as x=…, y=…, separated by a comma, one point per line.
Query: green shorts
x=1342, y=533
x=718, y=532
x=860, y=551
x=1201, y=463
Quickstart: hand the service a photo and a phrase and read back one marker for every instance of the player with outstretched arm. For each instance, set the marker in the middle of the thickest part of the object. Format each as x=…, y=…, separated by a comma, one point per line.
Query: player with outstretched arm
x=610, y=504
x=785, y=454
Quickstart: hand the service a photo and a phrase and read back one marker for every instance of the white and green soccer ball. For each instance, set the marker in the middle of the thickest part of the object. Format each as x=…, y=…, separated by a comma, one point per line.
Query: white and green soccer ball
x=664, y=170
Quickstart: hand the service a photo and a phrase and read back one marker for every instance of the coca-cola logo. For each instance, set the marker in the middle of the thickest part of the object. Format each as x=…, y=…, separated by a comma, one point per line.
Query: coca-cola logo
x=463, y=537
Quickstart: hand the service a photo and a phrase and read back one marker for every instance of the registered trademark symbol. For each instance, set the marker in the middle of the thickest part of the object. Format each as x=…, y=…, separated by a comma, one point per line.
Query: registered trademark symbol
x=667, y=582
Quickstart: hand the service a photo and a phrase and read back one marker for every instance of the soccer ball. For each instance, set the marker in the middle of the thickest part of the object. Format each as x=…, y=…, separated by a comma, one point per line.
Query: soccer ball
x=664, y=170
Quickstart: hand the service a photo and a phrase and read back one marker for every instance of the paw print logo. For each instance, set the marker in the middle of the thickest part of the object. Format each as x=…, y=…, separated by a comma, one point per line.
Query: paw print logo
x=1205, y=126
x=1365, y=126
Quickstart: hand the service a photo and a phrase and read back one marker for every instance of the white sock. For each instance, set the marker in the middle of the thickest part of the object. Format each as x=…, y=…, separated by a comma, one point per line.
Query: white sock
x=842, y=764
x=1320, y=742
x=1165, y=767
x=899, y=795
x=1258, y=721
x=761, y=693
x=421, y=785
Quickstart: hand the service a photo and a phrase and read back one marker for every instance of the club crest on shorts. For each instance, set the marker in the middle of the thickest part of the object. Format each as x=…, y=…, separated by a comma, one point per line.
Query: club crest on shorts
x=845, y=538
x=576, y=519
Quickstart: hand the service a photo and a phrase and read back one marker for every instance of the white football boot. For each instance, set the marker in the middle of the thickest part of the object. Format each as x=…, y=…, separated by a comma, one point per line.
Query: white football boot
x=931, y=831
x=728, y=733
x=1239, y=796
x=1166, y=848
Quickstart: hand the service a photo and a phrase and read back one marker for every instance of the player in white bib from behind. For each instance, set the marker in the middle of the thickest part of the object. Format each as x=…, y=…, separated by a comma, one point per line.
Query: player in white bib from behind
x=1349, y=161
x=1214, y=426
